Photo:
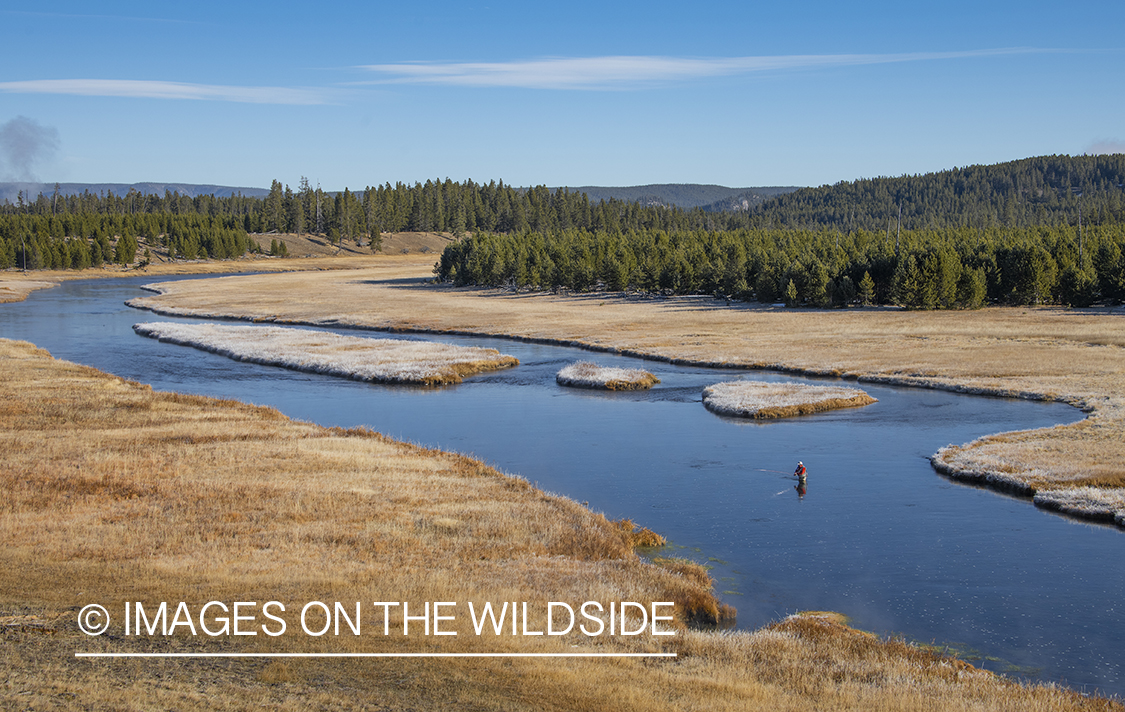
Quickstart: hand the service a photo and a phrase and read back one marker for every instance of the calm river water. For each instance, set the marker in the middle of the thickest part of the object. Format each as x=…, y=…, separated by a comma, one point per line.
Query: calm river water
x=879, y=535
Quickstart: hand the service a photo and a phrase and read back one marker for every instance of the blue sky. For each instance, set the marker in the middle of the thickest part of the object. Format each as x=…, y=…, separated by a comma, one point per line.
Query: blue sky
x=579, y=93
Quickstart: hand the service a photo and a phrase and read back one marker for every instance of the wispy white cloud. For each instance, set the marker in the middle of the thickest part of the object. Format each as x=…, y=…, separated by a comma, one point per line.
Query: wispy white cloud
x=143, y=89
x=626, y=72
x=88, y=16
x=1105, y=146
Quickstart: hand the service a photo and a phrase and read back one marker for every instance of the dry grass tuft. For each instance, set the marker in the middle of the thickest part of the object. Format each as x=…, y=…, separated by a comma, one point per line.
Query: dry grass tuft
x=755, y=399
x=640, y=537
x=585, y=374
x=687, y=568
x=276, y=673
x=422, y=363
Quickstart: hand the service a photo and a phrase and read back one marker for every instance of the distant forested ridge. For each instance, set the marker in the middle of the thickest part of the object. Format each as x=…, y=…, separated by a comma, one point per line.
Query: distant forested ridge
x=10, y=191
x=1042, y=191
x=684, y=195
x=1036, y=231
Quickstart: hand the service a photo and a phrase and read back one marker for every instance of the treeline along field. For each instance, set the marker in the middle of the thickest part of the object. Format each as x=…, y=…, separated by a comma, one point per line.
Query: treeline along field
x=43, y=233
x=927, y=269
x=78, y=241
x=1041, y=230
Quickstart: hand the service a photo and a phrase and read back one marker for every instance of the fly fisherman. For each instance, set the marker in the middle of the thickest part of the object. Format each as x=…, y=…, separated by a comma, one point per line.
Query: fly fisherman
x=800, y=473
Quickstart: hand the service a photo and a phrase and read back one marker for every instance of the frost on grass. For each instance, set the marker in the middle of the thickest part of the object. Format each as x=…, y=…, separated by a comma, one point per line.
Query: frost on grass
x=755, y=399
x=585, y=374
x=364, y=359
x=1087, y=502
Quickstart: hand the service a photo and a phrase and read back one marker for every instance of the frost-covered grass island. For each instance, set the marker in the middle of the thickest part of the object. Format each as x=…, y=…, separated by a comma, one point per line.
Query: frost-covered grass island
x=585, y=374
x=755, y=399
x=424, y=363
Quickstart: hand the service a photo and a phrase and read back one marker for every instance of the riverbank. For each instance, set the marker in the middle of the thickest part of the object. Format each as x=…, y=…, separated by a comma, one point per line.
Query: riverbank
x=1069, y=355
x=16, y=285
x=16, y=290
x=116, y=493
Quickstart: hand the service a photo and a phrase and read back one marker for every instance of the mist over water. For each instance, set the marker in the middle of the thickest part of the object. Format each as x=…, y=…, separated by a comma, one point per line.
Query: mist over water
x=878, y=535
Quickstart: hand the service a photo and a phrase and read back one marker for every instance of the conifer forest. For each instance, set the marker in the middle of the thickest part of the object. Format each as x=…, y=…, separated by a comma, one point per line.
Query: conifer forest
x=1046, y=230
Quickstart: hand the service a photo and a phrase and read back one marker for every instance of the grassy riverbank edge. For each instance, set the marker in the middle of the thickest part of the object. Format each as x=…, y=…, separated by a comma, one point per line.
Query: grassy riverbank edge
x=174, y=494
x=984, y=461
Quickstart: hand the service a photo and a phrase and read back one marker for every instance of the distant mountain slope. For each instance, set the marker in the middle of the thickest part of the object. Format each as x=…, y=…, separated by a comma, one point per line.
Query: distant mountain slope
x=683, y=195
x=746, y=200
x=1044, y=190
x=9, y=191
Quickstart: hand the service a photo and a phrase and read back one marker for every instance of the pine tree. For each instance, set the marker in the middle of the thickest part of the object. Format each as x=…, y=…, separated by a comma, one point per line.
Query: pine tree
x=791, y=294
x=126, y=250
x=866, y=289
x=275, y=208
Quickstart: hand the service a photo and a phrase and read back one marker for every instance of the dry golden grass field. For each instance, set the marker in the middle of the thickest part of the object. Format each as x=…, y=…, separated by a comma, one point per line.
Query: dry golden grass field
x=1075, y=356
x=114, y=493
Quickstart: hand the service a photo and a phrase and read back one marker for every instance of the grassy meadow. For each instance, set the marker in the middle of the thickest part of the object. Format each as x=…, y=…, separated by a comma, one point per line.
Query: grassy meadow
x=117, y=493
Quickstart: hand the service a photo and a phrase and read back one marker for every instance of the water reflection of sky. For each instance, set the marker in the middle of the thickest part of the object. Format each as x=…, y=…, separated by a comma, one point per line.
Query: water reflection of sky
x=878, y=536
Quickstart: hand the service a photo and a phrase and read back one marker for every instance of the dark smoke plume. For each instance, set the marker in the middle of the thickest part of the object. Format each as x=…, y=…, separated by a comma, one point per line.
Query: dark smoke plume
x=23, y=143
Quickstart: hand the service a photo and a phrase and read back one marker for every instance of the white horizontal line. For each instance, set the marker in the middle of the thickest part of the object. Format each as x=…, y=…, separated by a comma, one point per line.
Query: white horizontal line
x=375, y=655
